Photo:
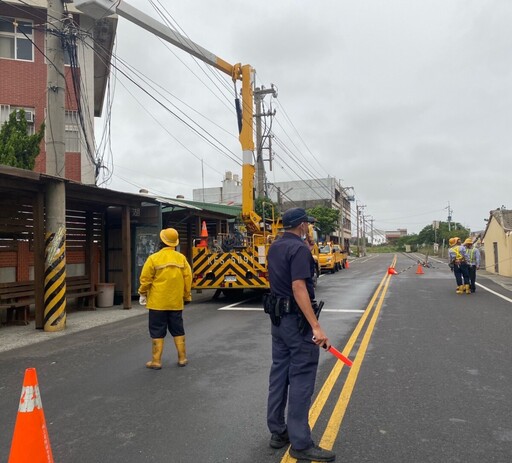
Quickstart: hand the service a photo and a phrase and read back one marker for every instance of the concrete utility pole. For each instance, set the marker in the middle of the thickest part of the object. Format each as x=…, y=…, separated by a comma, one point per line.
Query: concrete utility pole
x=450, y=212
x=259, y=94
x=344, y=196
x=363, y=225
x=359, y=208
x=55, y=253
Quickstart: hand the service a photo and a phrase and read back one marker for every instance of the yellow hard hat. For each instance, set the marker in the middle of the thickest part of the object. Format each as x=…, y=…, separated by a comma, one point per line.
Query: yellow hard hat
x=170, y=237
x=452, y=241
x=468, y=241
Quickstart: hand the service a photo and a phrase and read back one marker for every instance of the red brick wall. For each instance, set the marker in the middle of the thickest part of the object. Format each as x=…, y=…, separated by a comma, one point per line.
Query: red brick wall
x=73, y=166
x=8, y=259
x=24, y=259
x=23, y=83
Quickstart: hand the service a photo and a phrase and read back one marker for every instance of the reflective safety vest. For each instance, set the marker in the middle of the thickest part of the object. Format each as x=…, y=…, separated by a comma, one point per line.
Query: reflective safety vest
x=471, y=256
x=457, y=256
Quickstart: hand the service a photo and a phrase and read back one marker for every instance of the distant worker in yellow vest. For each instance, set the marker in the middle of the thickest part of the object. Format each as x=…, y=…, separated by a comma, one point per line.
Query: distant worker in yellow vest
x=458, y=262
x=165, y=287
x=473, y=262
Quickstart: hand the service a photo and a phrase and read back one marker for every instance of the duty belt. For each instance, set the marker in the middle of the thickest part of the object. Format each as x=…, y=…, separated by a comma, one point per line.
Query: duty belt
x=277, y=306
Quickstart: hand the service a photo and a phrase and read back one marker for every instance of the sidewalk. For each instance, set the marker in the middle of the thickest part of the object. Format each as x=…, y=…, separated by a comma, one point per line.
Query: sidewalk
x=14, y=336
x=505, y=282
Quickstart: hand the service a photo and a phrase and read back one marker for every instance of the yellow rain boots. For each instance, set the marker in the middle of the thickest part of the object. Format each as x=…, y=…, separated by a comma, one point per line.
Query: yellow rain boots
x=460, y=289
x=158, y=348
x=468, y=289
x=180, y=347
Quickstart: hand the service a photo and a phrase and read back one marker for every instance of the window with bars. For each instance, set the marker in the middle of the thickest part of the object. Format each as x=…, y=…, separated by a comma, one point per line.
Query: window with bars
x=16, y=39
x=72, y=135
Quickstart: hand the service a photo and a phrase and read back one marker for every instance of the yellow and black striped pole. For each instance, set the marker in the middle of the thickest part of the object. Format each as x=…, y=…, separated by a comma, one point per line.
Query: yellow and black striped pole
x=55, y=281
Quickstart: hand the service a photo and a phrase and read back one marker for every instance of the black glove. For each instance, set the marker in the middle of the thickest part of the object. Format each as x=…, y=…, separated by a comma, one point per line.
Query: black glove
x=187, y=302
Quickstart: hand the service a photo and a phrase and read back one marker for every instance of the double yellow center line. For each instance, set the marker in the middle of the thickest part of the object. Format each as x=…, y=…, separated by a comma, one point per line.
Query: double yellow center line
x=334, y=424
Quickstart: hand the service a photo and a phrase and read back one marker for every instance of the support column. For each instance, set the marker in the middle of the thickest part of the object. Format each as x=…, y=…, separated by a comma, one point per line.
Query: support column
x=55, y=259
x=127, y=259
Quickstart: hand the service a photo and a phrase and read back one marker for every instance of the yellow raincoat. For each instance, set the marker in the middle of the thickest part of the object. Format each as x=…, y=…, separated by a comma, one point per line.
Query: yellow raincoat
x=166, y=280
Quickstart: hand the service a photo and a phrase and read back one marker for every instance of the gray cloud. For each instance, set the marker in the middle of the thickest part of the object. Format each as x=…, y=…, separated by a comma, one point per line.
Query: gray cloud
x=408, y=101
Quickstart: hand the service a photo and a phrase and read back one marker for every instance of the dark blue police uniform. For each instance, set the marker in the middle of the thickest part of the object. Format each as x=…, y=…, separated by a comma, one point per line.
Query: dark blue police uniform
x=294, y=355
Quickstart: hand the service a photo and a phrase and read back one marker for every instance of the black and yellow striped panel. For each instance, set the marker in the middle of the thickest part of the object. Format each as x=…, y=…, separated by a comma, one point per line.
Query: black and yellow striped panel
x=217, y=270
x=55, y=282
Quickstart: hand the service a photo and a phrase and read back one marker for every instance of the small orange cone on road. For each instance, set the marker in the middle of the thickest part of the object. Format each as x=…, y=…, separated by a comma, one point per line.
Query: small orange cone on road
x=419, y=271
x=392, y=271
x=30, y=442
x=204, y=237
x=347, y=265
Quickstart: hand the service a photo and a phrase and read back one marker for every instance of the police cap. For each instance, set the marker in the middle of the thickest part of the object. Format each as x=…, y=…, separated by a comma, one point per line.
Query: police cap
x=294, y=217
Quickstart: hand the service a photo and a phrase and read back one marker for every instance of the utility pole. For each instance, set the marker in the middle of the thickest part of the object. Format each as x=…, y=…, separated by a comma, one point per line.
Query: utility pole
x=359, y=208
x=54, y=318
x=259, y=94
x=344, y=197
x=371, y=230
x=450, y=212
x=363, y=226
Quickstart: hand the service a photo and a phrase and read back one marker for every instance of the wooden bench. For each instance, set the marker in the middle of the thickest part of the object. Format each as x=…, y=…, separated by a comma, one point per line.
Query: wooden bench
x=15, y=296
x=81, y=288
x=19, y=295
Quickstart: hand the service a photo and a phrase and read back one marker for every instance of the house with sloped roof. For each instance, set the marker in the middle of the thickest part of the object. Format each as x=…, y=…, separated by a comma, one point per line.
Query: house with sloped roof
x=497, y=242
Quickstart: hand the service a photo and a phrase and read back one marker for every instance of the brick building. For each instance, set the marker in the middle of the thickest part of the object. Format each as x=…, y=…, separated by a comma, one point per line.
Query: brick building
x=23, y=76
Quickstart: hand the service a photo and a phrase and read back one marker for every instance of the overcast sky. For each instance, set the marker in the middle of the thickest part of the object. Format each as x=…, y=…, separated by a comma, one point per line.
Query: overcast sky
x=407, y=101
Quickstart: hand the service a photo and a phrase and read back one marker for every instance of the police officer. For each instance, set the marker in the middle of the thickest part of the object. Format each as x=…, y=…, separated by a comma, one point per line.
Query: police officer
x=294, y=351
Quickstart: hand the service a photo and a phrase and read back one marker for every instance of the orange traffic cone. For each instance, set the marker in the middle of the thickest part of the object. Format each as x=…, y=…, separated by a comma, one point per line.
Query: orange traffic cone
x=392, y=271
x=347, y=264
x=30, y=441
x=203, y=243
x=419, y=271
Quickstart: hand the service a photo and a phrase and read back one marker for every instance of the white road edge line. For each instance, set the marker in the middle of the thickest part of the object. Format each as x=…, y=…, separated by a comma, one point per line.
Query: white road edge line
x=494, y=292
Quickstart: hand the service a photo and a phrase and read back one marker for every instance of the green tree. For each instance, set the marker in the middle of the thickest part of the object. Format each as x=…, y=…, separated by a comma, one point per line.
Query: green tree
x=428, y=235
x=265, y=207
x=327, y=219
x=17, y=148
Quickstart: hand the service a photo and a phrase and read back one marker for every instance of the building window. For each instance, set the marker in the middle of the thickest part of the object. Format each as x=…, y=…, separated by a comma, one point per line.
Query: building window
x=6, y=110
x=16, y=39
x=72, y=132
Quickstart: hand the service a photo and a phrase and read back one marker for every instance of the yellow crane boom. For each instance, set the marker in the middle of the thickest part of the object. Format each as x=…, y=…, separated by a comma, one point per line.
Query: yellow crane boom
x=100, y=8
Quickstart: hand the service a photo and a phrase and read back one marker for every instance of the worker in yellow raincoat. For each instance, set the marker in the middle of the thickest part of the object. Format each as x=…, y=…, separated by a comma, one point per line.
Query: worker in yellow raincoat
x=165, y=284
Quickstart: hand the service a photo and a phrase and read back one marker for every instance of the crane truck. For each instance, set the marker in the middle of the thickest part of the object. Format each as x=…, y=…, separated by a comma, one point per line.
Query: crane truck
x=238, y=260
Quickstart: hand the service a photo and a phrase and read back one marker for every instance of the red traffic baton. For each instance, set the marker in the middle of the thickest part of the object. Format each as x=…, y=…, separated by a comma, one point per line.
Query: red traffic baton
x=337, y=354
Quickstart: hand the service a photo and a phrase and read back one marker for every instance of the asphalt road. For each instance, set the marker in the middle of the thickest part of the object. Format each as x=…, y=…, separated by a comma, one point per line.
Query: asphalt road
x=431, y=380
